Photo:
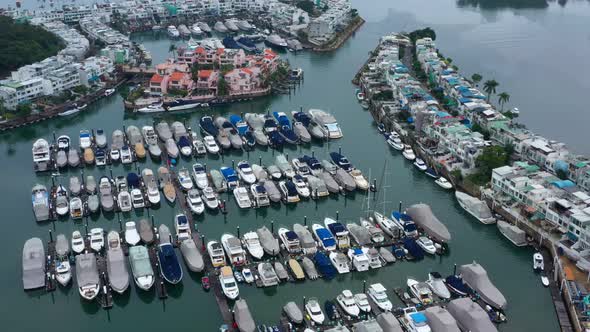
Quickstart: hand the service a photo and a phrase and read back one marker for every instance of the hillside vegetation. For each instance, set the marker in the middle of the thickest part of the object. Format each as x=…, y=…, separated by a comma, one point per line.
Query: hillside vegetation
x=22, y=44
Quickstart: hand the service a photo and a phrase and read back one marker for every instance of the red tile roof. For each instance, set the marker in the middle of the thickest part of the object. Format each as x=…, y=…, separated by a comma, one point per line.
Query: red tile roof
x=247, y=71
x=200, y=50
x=220, y=51
x=156, y=79
x=176, y=76
x=205, y=73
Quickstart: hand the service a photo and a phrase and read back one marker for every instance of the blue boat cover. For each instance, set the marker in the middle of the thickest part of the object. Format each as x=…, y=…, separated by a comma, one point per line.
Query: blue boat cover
x=413, y=248
x=358, y=251
x=207, y=125
x=182, y=220
x=169, y=263
x=276, y=139
x=291, y=189
x=288, y=133
x=183, y=141
x=340, y=160
x=410, y=226
x=400, y=216
x=336, y=228
x=269, y=122
x=282, y=119
x=418, y=317
x=312, y=162
x=291, y=235
x=260, y=188
x=229, y=174
x=326, y=237
x=325, y=268
x=302, y=117
x=133, y=180
x=243, y=165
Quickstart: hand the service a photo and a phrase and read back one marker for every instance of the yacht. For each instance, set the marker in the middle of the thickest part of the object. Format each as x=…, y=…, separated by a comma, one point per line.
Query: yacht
x=252, y=244
x=200, y=176
x=153, y=108
x=359, y=259
x=289, y=191
x=87, y=277
x=408, y=153
x=151, y=140
x=199, y=146
x=301, y=186
x=374, y=258
x=210, y=144
x=242, y=198
x=314, y=311
x=396, y=143
x=182, y=227
x=116, y=266
x=78, y=244
x=41, y=155
x=196, y=30
x=220, y=27
x=437, y=285
x=233, y=249
x=359, y=179
x=538, y=263
x=347, y=303
x=194, y=202
x=260, y=195
x=210, y=198
x=228, y=283
x=474, y=206
x=131, y=234
x=230, y=176
x=387, y=225
x=414, y=321
x=231, y=25
x=420, y=164
x=170, y=268
x=204, y=27
x=63, y=142
x=141, y=268
x=376, y=233
x=290, y=240
x=421, y=291
x=184, y=178
x=326, y=123
x=275, y=41
x=268, y=275
x=362, y=301
x=96, y=239
x=339, y=232
x=216, y=254
x=443, y=183
x=40, y=199
x=377, y=293
x=173, y=32
x=427, y=245
x=340, y=262
x=63, y=272
x=324, y=237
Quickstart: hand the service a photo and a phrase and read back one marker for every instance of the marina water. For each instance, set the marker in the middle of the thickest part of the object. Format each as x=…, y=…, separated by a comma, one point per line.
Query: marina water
x=529, y=51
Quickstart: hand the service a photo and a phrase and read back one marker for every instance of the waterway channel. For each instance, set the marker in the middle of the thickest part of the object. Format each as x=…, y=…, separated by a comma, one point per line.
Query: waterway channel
x=463, y=34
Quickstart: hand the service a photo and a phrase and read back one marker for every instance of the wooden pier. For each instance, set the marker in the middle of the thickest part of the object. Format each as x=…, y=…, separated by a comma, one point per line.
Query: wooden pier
x=50, y=282
x=105, y=297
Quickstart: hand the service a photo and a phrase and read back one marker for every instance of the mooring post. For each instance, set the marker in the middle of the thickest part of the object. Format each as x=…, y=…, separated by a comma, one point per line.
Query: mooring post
x=305, y=220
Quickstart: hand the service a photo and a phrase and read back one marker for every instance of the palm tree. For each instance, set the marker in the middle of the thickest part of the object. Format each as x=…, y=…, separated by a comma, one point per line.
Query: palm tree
x=476, y=78
x=503, y=98
x=490, y=87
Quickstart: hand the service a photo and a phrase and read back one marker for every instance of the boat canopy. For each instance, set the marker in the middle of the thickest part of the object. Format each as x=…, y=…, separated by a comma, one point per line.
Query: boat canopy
x=291, y=236
x=243, y=317
x=229, y=174
x=367, y=326
x=326, y=237
x=470, y=316
x=439, y=319
x=33, y=264
x=133, y=180
x=477, y=278
x=324, y=265
x=423, y=217
x=388, y=322
x=305, y=238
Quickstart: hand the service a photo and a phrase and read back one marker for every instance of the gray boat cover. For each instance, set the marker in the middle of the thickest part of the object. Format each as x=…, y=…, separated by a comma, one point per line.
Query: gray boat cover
x=305, y=238
x=118, y=139
x=73, y=158
x=192, y=256
x=331, y=184
x=424, y=218
x=317, y=185
x=302, y=132
x=512, y=232
x=388, y=322
x=163, y=130
x=387, y=255
x=281, y=271
x=359, y=233
x=171, y=147
x=93, y=203
x=367, y=326
x=75, y=185
x=146, y=232
x=62, y=245
x=178, y=130
x=309, y=268
x=345, y=179
x=86, y=270
x=117, y=269
x=256, y=121
x=474, y=205
x=338, y=328
x=477, y=278
x=164, y=234
x=134, y=135
x=259, y=172
x=260, y=137
x=293, y=312
x=61, y=159
x=440, y=320
x=40, y=202
x=273, y=192
x=267, y=273
x=470, y=316
x=269, y=243
x=243, y=317
x=90, y=184
x=33, y=264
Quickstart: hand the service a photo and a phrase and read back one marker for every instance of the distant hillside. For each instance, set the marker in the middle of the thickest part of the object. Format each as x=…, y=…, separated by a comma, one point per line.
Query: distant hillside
x=22, y=44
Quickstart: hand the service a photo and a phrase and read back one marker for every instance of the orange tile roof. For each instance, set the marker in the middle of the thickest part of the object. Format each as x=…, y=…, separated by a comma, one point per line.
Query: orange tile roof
x=176, y=76
x=200, y=50
x=220, y=51
x=156, y=79
x=247, y=71
x=205, y=73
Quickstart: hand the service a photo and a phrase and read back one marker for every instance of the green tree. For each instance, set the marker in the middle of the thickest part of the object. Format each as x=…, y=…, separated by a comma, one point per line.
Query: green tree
x=491, y=157
x=222, y=86
x=476, y=78
x=23, y=109
x=306, y=6
x=490, y=87
x=503, y=98
x=80, y=89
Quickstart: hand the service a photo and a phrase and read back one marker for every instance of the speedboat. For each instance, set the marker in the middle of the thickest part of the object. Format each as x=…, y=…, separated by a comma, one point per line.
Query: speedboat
x=76, y=208
x=199, y=146
x=63, y=273
x=405, y=222
x=359, y=259
x=124, y=201
x=341, y=161
x=173, y=32
x=96, y=239
x=420, y=164
x=260, y=195
x=182, y=228
x=228, y=283
x=87, y=277
x=100, y=138
x=100, y=157
x=275, y=41
x=270, y=124
x=248, y=276
x=375, y=232
x=245, y=172
x=340, y=262
x=200, y=176
x=230, y=176
x=396, y=143
x=538, y=263
x=210, y=144
x=78, y=244
x=275, y=172
x=359, y=179
x=61, y=201
x=171, y=148
x=153, y=108
x=301, y=168
x=184, y=178
x=196, y=30
x=114, y=155
x=408, y=153
x=326, y=123
x=149, y=180
x=166, y=184
x=141, y=268
x=339, y=232
x=301, y=186
x=242, y=197
x=314, y=166
x=252, y=244
x=290, y=240
x=347, y=302
x=414, y=321
x=109, y=92
x=421, y=291
x=324, y=237
x=476, y=207
x=63, y=142
x=362, y=302
x=208, y=127
x=116, y=266
x=313, y=309
x=443, y=183
x=284, y=165
x=40, y=200
x=233, y=249
x=216, y=253
x=288, y=134
x=437, y=285
x=377, y=293
x=131, y=234
x=167, y=260
x=390, y=227
x=210, y=198
x=275, y=139
x=137, y=199
x=374, y=258
x=194, y=201
x=85, y=139
x=151, y=139
x=118, y=140
x=267, y=274
x=289, y=191
x=426, y=244
x=457, y=286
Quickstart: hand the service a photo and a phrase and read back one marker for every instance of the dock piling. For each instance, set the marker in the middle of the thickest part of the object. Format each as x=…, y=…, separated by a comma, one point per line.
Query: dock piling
x=337, y=215
x=305, y=220
x=233, y=163
x=238, y=230
x=50, y=236
x=400, y=207
x=340, y=149
x=260, y=160
x=364, y=286
x=153, y=226
x=111, y=171
x=272, y=226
